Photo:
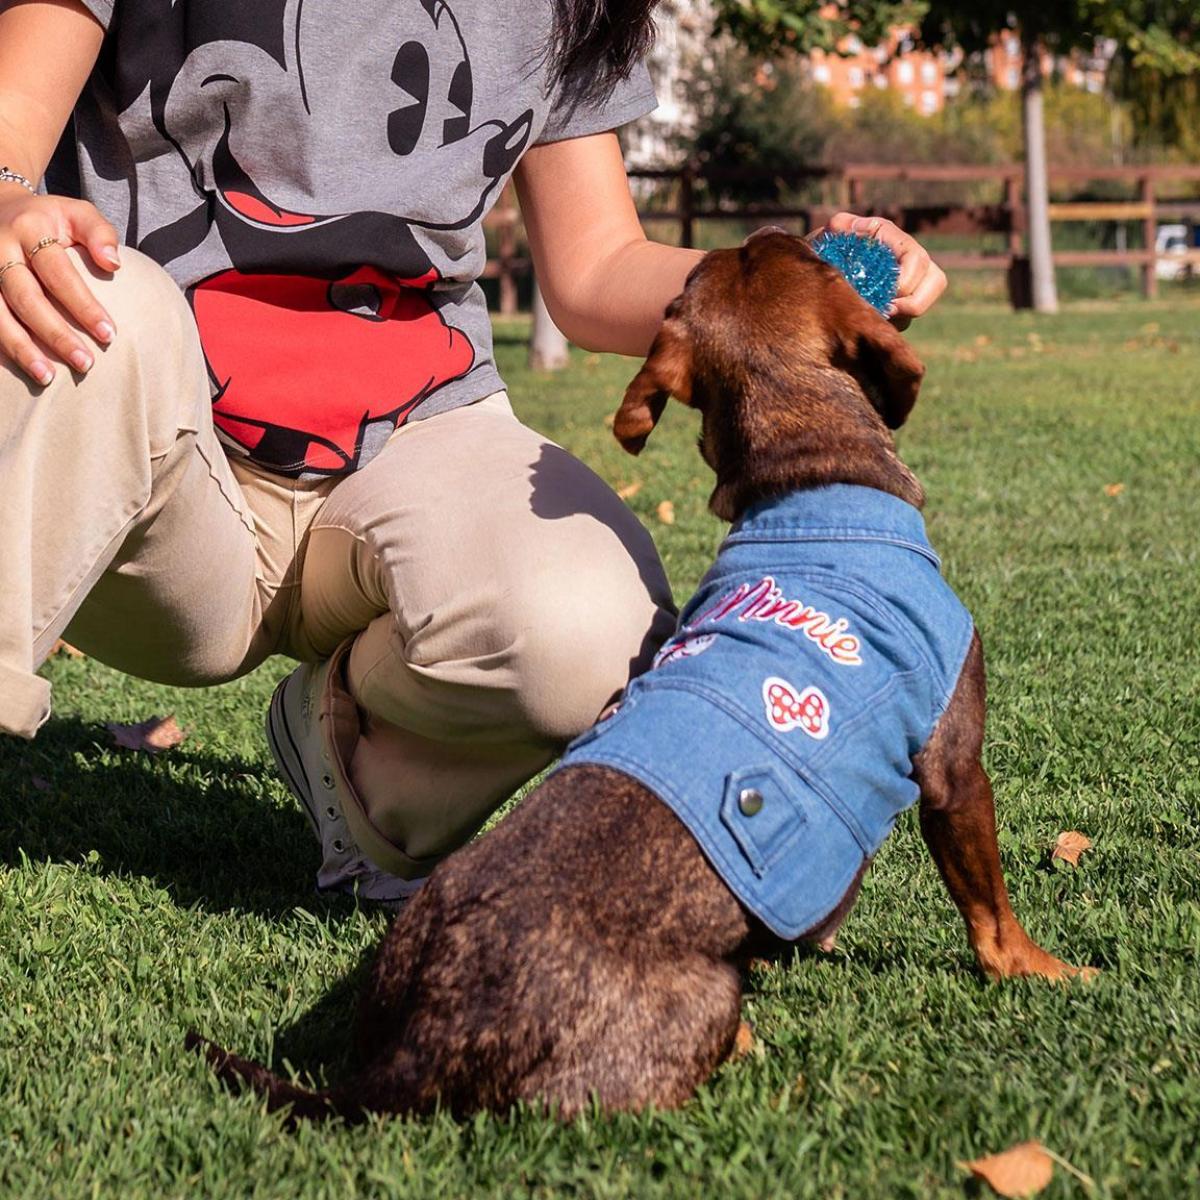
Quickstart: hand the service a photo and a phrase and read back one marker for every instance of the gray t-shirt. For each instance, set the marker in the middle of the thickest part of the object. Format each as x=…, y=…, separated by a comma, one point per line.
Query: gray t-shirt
x=314, y=175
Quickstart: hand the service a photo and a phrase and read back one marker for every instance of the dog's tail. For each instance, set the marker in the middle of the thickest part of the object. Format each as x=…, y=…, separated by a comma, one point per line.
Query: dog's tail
x=300, y=1103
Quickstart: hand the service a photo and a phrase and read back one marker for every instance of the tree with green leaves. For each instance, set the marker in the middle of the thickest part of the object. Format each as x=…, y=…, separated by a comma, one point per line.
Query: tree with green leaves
x=1152, y=35
x=1158, y=72
x=772, y=26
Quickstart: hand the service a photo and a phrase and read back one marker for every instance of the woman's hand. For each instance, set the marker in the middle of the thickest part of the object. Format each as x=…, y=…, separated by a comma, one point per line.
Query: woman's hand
x=922, y=281
x=39, y=289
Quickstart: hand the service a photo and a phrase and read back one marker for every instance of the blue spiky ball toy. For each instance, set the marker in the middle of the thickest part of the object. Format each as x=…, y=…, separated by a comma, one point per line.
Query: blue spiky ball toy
x=870, y=267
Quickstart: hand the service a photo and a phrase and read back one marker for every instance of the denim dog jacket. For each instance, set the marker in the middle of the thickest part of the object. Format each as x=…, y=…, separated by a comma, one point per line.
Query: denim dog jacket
x=780, y=721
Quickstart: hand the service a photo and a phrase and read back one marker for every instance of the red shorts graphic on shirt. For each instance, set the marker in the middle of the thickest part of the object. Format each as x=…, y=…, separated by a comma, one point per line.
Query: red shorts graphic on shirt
x=303, y=366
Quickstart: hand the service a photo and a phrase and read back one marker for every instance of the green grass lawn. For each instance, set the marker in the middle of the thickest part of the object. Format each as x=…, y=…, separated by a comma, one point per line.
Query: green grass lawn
x=139, y=897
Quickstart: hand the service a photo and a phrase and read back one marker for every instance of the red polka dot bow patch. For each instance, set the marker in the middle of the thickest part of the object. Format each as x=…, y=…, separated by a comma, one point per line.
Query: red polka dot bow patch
x=788, y=710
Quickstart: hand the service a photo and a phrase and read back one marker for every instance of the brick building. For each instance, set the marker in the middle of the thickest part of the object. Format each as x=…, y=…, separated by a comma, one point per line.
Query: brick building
x=918, y=76
x=925, y=80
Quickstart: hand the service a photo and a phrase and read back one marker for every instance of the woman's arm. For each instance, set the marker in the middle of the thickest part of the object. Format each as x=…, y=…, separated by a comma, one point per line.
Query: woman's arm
x=604, y=282
x=47, y=49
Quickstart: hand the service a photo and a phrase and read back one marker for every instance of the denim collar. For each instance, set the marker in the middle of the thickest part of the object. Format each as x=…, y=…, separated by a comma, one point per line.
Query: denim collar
x=837, y=512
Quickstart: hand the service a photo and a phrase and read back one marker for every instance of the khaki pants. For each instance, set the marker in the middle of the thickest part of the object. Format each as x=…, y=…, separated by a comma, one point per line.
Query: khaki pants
x=497, y=592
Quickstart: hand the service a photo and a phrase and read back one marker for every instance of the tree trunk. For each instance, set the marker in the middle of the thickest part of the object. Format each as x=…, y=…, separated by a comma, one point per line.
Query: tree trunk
x=548, y=349
x=1041, y=260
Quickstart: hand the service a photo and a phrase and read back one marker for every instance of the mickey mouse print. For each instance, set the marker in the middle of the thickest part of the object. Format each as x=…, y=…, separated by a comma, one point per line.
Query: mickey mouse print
x=315, y=175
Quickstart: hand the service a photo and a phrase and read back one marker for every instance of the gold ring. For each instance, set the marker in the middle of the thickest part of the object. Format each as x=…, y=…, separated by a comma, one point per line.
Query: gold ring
x=8, y=266
x=40, y=246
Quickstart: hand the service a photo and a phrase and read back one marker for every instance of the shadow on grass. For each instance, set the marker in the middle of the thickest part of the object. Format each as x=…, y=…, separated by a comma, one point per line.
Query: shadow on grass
x=318, y=1047
x=202, y=825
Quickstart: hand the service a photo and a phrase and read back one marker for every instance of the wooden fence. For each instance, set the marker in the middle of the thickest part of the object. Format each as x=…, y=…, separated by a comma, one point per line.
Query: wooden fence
x=859, y=188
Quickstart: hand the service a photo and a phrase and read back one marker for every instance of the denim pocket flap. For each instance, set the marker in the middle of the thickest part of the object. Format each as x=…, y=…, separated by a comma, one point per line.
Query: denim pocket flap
x=762, y=813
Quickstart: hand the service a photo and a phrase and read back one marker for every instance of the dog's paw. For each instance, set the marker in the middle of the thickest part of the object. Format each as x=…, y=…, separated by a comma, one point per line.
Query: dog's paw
x=1061, y=972
x=743, y=1042
x=1032, y=962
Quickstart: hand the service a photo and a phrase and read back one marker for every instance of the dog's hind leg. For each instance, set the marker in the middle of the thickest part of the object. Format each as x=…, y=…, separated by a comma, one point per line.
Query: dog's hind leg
x=383, y=1004
x=652, y=1033
x=958, y=822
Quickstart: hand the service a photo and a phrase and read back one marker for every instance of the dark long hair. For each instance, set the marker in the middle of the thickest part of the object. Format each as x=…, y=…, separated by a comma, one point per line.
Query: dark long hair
x=596, y=43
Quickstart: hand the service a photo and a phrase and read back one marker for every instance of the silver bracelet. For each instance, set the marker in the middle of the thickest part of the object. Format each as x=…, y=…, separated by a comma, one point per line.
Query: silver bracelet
x=9, y=176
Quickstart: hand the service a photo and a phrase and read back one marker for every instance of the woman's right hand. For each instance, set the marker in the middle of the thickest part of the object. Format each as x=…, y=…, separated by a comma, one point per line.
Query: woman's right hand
x=41, y=296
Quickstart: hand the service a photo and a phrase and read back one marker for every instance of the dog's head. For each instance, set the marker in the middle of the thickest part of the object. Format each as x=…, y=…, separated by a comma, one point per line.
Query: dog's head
x=797, y=378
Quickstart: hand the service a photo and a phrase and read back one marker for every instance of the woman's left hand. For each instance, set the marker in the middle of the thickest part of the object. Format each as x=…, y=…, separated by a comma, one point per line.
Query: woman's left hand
x=921, y=282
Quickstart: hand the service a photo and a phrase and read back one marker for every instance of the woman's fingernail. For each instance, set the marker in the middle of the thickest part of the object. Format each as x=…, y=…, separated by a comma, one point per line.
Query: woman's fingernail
x=41, y=372
x=105, y=332
x=81, y=361
x=110, y=253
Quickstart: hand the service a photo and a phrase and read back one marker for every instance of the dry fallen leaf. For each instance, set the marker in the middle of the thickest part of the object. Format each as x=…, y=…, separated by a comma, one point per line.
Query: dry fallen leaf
x=1022, y=1170
x=61, y=647
x=1113, y=489
x=152, y=736
x=666, y=512
x=743, y=1041
x=1070, y=845
x=629, y=490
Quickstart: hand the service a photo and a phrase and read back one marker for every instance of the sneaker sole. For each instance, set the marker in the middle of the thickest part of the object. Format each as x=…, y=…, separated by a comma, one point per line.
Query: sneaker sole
x=287, y=755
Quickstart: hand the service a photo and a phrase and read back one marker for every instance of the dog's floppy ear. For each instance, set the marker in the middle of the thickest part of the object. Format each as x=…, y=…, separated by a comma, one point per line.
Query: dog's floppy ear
x=886, y=365
x=667, y=372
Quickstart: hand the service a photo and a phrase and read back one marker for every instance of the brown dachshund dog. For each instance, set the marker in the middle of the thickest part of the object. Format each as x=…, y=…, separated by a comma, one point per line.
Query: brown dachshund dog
x=585, y=947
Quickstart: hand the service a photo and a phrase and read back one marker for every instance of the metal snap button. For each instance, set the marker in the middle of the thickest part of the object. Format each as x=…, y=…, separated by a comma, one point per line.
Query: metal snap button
x=327, y=782
x=750, y=801
x=338, y=845
x=331, y=813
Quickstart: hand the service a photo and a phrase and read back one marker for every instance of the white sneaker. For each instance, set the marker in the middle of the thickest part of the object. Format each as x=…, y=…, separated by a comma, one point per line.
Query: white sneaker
x=299, y=747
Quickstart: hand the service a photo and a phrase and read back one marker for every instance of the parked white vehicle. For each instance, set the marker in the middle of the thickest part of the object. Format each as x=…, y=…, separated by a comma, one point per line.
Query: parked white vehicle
x=1172, y=247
